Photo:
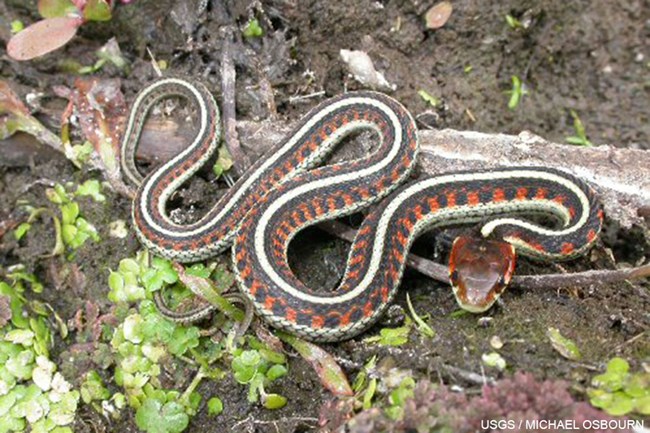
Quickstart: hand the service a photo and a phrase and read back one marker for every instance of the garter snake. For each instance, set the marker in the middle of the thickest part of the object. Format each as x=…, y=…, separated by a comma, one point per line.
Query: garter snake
x=288, y=189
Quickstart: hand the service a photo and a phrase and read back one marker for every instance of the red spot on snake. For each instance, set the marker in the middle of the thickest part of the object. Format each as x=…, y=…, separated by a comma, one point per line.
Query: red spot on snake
x=567, y=248
x=356, y=260
x=473, y=198
x=407, y=223
x=291, y=315
x=591, y=235
x=317, y=322
x=360, y=244
x=498, y=195
x=364, y=231
x=317, y=207
x=537, y=246
x=368, y=309
x=384, y=294
x=268, y=303
x=244, y=274
x=331, y=204
x=451, y=199
x=255, y=286
x=398, y=256
x=572, y=211
x=522, y=193
x=401, y=238
x=541, y=193
x=345, y=319
x=418, y=212
x=559, y=199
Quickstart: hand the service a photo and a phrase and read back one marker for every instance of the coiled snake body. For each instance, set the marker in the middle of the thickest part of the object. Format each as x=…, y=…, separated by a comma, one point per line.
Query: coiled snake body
x=287, y=190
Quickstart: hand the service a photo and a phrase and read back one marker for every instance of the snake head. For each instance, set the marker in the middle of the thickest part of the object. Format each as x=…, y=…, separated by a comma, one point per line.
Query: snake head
x=479, y=271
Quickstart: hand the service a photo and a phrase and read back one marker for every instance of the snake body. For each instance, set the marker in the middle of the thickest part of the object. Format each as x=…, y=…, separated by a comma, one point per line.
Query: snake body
x=287, y=190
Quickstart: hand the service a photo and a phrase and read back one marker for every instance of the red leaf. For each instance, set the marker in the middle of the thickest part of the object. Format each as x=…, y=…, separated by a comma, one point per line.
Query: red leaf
x=43, y=37
x=329, y=372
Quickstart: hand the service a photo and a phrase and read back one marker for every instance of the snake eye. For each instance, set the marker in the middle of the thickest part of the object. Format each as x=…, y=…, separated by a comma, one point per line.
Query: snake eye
x=479, y=271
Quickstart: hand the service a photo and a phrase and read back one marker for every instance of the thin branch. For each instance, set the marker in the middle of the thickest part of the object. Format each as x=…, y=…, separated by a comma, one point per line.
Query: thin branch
x=228, y=78
x=469, y=376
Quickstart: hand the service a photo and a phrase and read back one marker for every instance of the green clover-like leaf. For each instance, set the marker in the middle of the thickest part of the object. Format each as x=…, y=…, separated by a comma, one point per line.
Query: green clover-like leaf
x=155, y=417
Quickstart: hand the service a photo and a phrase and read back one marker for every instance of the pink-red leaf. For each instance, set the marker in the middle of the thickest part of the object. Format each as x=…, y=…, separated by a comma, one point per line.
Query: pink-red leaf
x=43, y=37
x=329, y=372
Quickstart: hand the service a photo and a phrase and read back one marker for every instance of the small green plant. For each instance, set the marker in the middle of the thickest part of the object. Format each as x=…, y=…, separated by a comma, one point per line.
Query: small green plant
x=396, y=336
x=125, y=283
x=428, y=98
x=71, y=229
x=258, y=367
x=75, y=230
x=33, y=395
x=422, y=326
x=513, y=22
x=620, y=392
x=372, y=382
x=161, y=412
x=398, y=396
x=253, y=29
x=494, y=360
x=215, y=406
x=581, y=136
x=17, y=26
x=518, y=91
x=564, y=346
x=223, y=163
x=93, y=389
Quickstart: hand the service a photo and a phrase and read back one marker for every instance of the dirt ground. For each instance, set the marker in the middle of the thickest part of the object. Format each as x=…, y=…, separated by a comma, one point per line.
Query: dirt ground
x=592, y=57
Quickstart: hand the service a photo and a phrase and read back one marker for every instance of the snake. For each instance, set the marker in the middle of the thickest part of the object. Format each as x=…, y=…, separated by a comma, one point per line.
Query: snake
x=290, y=188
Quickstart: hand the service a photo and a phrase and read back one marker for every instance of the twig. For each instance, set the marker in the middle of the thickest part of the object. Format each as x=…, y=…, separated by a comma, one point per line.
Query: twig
x=266, y=90
x=469, y=376
x=305, y=98
x=250, y=422
x=630, y=341
x=228, y=77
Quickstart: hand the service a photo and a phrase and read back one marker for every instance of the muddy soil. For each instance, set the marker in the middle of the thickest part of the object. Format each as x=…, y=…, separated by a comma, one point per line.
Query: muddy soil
x=592, y=57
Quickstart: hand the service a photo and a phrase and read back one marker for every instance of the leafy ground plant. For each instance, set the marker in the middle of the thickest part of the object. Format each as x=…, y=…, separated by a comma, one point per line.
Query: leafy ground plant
x=61, y=20
x=33, y=395
x=71, y=229
x=619, y=391
x=580, y=138
x=517, y=93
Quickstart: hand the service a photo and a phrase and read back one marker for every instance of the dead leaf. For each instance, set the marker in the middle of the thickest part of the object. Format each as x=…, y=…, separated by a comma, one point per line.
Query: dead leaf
x=438, y=15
